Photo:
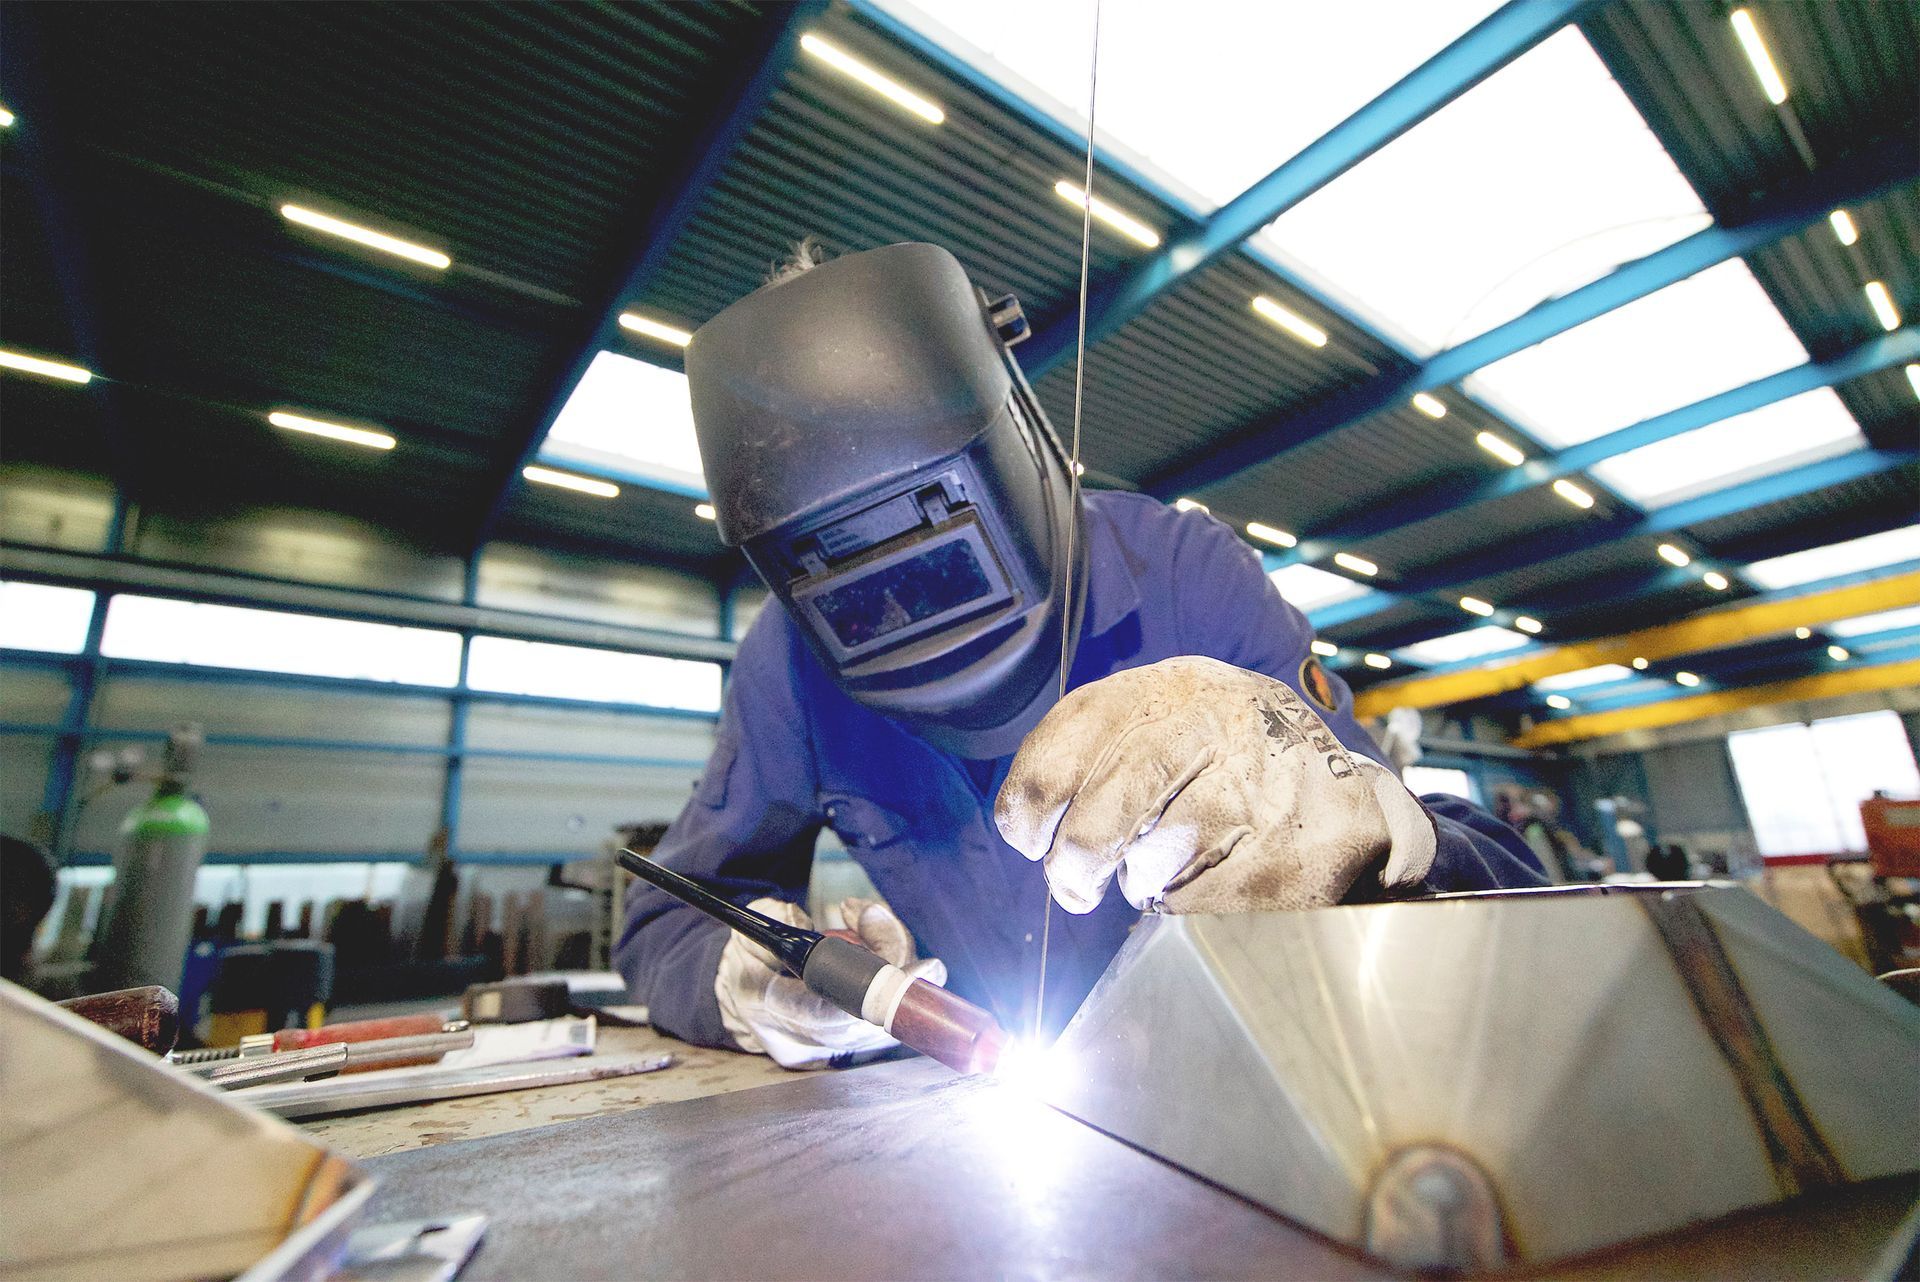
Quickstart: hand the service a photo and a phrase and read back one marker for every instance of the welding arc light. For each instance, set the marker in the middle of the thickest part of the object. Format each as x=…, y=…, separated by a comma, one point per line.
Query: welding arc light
x=365, y=236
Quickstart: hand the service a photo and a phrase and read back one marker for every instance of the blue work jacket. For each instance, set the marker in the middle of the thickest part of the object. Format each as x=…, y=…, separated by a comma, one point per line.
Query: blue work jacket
x=794, y=753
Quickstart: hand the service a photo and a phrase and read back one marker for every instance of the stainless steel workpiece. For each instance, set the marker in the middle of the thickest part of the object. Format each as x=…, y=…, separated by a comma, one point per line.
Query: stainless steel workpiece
x=1475, y=1081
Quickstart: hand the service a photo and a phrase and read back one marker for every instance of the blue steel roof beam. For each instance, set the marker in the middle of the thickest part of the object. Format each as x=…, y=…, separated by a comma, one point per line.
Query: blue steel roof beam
x=1435, y=584
x=1509, y=32
x=1861, y=178
x=1883, y=352
x=739, y=108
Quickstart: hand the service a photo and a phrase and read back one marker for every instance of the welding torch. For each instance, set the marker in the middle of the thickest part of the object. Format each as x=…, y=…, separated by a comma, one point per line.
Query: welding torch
x=922, y=1016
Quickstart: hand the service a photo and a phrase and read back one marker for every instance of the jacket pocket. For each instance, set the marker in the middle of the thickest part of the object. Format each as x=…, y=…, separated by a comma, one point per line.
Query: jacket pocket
x=861, y=824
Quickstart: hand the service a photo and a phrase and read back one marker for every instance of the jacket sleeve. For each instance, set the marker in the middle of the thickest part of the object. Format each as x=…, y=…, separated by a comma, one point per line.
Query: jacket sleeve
x=1230, y=611
x=748, y=830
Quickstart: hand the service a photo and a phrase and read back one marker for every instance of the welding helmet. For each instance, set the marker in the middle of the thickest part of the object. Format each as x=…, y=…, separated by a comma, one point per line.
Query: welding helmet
x=871, y=446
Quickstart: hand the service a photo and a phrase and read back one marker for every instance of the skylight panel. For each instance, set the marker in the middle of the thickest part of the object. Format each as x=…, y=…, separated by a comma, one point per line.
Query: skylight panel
x=1171, y=91
x=1305, y=588
x=1585, y=677
x=1775, y=438
x=1535, y=182
x=39, y=616
x=1885, y=621
x=1474, y=643
x=1713, y=331
x=1891, y=547
x=631, y=418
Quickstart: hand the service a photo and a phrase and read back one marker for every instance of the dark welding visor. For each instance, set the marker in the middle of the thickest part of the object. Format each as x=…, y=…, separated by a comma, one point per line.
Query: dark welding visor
x=871, y=446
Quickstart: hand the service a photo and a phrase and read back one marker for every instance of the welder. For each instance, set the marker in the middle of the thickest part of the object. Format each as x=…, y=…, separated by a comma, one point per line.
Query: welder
x=872, y=447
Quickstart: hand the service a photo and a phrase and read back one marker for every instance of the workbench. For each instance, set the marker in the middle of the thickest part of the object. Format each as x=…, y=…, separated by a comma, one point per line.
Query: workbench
x=904, y=1170
x=696, y=1071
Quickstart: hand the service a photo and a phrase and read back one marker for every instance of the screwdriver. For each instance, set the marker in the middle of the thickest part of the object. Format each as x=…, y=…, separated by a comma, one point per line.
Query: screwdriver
x=923, y=1016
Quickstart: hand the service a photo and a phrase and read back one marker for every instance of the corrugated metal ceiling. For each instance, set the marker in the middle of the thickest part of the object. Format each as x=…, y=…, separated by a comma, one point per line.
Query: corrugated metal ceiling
x=530, y=142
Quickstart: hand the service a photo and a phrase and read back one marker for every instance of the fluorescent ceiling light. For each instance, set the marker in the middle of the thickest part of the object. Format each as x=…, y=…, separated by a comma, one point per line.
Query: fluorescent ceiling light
x=1686, y=678
x=568, y=481
x=1528, y=624
x=39, y=616
x=365, y=236
x=1165, y=86
x=1639, y=665
x=1500, y=449
x=654, y=329
x=1358, y=564
x=1378, y=661
x=1843, y=228
x=6, y=118
x=1111, y=215
x=1839, y=653
x=1190, y=505
x=1713, y=331
x=1325, y=649
x=1882, y=303
x=1715, y=580
x=1572, y=493
x=1474, y=605
x=1431, y=406
x=1457, y=647
x=1270, y=534
x=884, y=85
x=45, y=368
x=332, y=431
x=627, y=416
x=1567, y=183
x=1307, y=588
x=1757, y=56
x=1788, y=434
x=1559, y=701
x=1584, y=677
x=1884, y=621
x=1803, y=633
x=1913, y=379
x=1673, y=555
x=1294, y=323
x=705, y=512
x=1890, y=547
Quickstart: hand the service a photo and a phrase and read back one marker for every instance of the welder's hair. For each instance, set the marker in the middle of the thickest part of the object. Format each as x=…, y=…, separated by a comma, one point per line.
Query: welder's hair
x=807, y=254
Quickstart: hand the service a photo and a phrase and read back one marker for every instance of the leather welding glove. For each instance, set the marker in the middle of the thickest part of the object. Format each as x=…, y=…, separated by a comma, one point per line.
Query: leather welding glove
x=768, y=1012
x=1208, y=789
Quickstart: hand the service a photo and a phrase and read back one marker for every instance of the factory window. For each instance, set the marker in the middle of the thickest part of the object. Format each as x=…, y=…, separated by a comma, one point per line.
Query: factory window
x=504, y=666
x=1421, y=780
x=34, y=616
x=1803, y=784
x=225, y=636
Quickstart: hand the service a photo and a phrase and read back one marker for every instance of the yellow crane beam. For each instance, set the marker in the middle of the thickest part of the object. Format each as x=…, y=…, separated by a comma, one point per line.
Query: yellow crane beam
x=1694, y=707
x=1712, y=630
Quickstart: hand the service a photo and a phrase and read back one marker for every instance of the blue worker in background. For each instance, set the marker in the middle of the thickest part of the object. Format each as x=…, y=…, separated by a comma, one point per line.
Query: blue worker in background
x=870, y=444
